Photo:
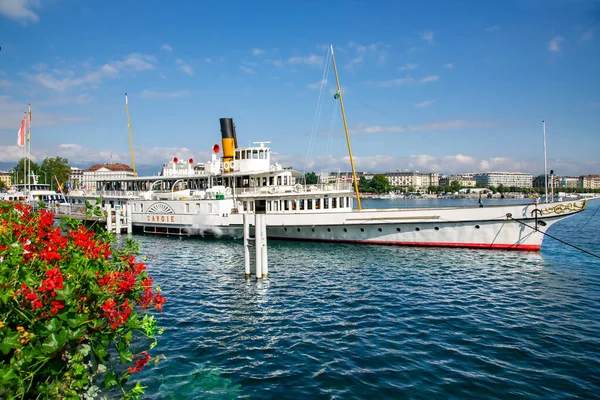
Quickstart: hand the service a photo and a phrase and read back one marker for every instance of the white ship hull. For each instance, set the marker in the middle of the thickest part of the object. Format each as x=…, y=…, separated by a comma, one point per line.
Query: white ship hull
x=513, y=227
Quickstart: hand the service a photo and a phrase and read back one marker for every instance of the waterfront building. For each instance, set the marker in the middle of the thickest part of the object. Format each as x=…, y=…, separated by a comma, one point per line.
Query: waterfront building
x=540, y=181
x=417, y=180
x=570, y=182
x=76, y=177
x=6, y=177
x=464, y=180
x=591, y=181
x=103, y=172
x=506, y=179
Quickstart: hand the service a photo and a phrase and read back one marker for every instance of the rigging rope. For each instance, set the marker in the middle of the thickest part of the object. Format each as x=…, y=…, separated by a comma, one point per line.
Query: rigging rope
x=317, y=114
x=555, y=238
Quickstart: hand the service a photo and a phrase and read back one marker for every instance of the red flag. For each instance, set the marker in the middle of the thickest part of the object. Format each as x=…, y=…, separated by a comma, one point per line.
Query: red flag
x=21, y=133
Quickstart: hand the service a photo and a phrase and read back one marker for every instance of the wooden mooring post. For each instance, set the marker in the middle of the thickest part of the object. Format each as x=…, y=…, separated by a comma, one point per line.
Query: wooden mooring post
x=260, y=241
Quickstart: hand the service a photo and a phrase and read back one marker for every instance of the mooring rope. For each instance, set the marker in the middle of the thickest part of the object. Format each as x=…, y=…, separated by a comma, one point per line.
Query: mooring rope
x=554, y=237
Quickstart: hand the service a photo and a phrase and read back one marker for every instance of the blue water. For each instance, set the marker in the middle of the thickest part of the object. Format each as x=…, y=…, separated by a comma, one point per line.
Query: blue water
x=354, y=321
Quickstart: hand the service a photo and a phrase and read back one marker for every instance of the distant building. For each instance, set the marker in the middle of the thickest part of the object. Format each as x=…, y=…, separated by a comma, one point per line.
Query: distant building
x=569, y=182
x=418, y=180
x=463, y=180
x=506, y=179
x=6, y=178
x=102, y=172
x=343, y=177
x=76, y=177
x=589, y=181
x=540, y=181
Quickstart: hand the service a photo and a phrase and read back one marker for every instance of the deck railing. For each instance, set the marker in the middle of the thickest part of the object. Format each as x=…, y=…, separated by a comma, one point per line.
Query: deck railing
x=298, y=188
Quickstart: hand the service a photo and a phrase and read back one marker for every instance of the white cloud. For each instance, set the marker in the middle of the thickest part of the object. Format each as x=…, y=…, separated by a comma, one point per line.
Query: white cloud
x=257, y=52
x=493, y=28
x=427, y=36
x=432, y=126
x=555, y=43
x=20, y=10
x=40, y=67
x=587, y=34
x=247, y=70
x=185, y=67
x=448, y=65
x=208, y=60
x=312, y=60
x=431, y=78
x=374, y=51
x=11, y=113
x=132, y=62
x=278, y=63
x=424, y=104
x=392, y=82
x=166, y=48
x=317, y=85
x=151, y=94
x=5, y=83
x=408, y=67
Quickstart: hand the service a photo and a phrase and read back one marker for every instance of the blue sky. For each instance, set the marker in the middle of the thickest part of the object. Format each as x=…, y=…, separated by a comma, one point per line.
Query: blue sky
x=431, y=85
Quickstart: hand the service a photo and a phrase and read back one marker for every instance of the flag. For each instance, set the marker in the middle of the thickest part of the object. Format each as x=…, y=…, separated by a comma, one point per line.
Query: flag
x=21, y=133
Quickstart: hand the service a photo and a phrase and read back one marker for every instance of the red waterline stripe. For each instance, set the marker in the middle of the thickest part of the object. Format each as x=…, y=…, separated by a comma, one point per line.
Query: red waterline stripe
x=494, y=246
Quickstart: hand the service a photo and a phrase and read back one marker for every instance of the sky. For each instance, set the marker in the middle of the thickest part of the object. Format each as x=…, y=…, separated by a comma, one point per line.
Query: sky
x=432, y=86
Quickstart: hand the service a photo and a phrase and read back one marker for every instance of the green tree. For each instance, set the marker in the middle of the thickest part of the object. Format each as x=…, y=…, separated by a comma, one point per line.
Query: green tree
x=380, y=184
x=410, y=189
x=20, y=168
x=501, y=188
x=311, y=178
x=364, y=185
x=56, y=167
x=2, y=185
x=455, y=186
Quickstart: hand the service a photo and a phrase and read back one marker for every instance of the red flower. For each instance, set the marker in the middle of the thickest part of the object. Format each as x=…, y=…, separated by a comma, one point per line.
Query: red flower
x=57, y=305
x=144, y=357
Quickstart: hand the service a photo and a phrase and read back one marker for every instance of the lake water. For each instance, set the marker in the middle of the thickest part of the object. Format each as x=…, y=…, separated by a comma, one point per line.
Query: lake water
x=355, y=321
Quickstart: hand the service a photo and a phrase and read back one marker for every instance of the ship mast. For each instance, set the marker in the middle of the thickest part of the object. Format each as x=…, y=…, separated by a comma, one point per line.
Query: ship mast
x=339, y=94
x=130, y=136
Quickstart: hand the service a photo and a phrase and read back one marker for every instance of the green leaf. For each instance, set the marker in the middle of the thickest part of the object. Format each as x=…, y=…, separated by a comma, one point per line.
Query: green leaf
x=53, y=325
x=77, y=320
x=10, y=341
x=65, y=293
x=6, y=375
x=100, y=351
x=125, y=356
x=110, y=380
x=54, y=342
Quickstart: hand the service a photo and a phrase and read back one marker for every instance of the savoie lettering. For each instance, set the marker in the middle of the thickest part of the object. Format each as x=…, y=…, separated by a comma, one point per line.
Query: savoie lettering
x=161, y=218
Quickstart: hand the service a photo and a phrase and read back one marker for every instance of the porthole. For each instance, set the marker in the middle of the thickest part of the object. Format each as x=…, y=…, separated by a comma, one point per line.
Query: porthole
x=298, y=229
x=285, y=229
x=328, y=229
x=476, y=226
x=437, y=228
x=345, y=230
x=362, y=229
x=417, y=229
x=398, y=229
x=380, y=230
x=313, y=229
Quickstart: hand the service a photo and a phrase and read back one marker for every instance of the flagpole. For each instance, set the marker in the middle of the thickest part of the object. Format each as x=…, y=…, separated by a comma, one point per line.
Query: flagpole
x=29, y=142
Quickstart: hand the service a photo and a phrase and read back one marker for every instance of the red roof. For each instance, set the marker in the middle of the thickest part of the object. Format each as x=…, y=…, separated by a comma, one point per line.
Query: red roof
x=112, y=167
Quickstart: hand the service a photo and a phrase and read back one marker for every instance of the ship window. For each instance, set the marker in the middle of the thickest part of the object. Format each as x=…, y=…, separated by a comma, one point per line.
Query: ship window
x=264, y=181
x=298, y=229
x=380, y=230
x=417, y=229
x=328, y=229
x=187, y=207
x=313, y=229
x=318, y=204
x=141, y=207
x=345, y=230
x=398, y=229
x=437, y=228
x=310, y=204
x=279, y=181
x=276, y=206
x=325, y=203
x=476, y=226
x=286, y=205
x=334, y=202
x=251, y=206
x=301, y=205
x=255, y=154
x=294, y=205
x=269, y=206
x=362, y=229
x=271, y=180
x=198, y=208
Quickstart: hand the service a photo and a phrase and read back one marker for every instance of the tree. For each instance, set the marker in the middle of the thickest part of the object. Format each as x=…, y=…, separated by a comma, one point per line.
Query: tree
x=311, y=178
x=364, y=185
x=20, y=168
x=56, y=167
x=380, y=184
x=455, y=186
x=2, y=185
x=411, y=189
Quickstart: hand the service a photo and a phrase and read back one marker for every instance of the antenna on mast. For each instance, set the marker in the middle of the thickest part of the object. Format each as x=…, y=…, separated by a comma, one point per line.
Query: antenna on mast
x=545, y=163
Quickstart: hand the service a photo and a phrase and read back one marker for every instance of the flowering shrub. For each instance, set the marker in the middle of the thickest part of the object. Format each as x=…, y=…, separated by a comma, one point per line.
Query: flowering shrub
x=69, y=304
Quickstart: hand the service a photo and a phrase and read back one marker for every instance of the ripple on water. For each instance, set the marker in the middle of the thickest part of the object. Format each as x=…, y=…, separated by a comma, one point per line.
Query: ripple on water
x=345, y=321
